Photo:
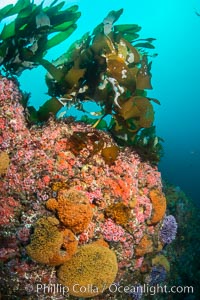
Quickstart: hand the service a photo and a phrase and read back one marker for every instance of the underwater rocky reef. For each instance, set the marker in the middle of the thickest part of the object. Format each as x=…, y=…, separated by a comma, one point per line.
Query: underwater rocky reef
x=67, y=188
x=83, y=209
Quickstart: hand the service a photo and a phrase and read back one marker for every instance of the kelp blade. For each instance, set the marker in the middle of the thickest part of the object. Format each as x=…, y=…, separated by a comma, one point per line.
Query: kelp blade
x=60, y=37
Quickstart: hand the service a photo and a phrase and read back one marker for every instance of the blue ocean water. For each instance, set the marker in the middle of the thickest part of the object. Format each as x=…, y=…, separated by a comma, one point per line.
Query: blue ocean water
x=176, y=76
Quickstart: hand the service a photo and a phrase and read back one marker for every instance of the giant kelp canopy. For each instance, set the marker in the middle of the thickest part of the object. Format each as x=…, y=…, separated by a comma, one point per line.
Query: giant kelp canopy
x=34, y=30
x=110, y=67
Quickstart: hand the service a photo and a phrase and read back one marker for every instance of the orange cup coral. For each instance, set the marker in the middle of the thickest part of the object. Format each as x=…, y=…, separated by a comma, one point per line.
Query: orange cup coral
x=49, y=245
x=90, y=271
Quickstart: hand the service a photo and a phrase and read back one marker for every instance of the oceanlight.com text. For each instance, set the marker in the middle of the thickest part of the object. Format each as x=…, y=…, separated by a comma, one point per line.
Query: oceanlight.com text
x=147, y=289
x=114, y=288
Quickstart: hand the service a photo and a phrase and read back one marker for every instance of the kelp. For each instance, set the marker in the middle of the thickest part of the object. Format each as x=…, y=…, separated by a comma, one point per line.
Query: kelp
x=61, y=36
x=149, y=145
x=25, y=40
x=51, y=106
x=111, y=66
x=144, y=45
x=10, y=9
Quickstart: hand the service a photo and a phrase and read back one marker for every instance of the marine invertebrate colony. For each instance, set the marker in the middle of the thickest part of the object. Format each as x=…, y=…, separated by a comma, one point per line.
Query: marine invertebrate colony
x=84, y=275
x=74, y=210
x=47, y=241
x=168, y=230
x=159, y=206
x=76, y=198
x=4, y=162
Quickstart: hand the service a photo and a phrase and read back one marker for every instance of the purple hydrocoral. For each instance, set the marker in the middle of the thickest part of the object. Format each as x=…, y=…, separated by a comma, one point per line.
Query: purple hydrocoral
x=158, y=275
x=136, y=292
x=168, y=230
